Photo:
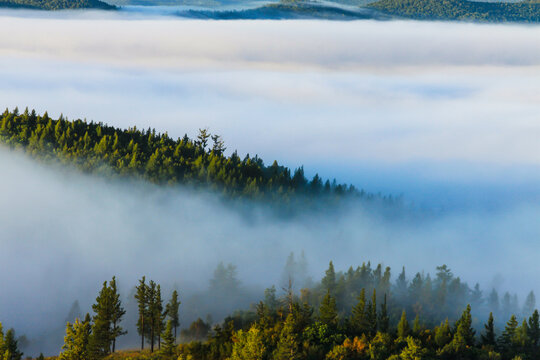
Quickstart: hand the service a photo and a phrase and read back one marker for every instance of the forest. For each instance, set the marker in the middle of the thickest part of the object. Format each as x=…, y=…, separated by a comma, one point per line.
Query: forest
x=523, y=11
x=360, y=313
x=200, y=163
x=56, y=4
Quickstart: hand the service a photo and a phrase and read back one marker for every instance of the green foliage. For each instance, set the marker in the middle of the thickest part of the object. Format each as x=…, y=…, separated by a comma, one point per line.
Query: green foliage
x=328, y=311
x=99, y=149
x=249, y=345
x=525, y=11
x=403, y=328
x=76, y=340
x=168, y=350
x=56, y=4
x=8, y=345
x=171, y=309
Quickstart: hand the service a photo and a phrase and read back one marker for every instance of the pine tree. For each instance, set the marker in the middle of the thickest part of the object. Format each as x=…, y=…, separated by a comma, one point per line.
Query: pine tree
x=158, y=315
x=117, y=312
x=358, y=319
x=142, y=302
x=416, y=325
x=372, y=314
x=329, y=280
x=464, y=337
x=384, y=319
x=403, y=328
x=290, y=341
x=9, y=349
x=169, y=349
x=443, y=335
x=327, y=311
x=101, y=338
x=507, y=341
x=172, y=311
x=488, y=338
x=534, y=331
x=76, y=340
x=530, y=304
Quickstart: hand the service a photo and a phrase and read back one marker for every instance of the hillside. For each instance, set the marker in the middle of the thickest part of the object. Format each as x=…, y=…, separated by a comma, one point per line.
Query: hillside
x=56, y=4
x=286, y=10
x=460, y=10
x=131, y=153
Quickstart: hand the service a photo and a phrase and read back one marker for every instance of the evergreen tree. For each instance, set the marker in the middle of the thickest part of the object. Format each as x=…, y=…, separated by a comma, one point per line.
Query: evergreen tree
x=100, y=341
x=443, y=335
x=9, y=349
x=327, y=311
x=76, y=340
x=117, y=313
x=142, y=302
x=488, y=338
x=169, y=348
x=507, y=341
x=372, y=314
x=171, y=310
x=464, y=336
x=329, y=281
x=530, y=304
x=358, y=321
x=416, y=325
x=403, y=328
x=534, y=331
x=384, y=319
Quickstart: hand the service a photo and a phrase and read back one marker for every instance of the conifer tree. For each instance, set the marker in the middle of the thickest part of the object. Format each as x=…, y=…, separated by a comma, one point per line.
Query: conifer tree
x=488, y=338
x=403, y=328
x=530, y=304
x=416, y=325
x=327, y=311
x=464, y=336
x=76, y=340
x=358, y=319
x=100, y=340
x=534, y=331
x=172, y=311
x=507, y=341
x=117, y=313
x=9, y=349
x=384, y=319
x=142, y=303
x=169, y=349
x=329, y=281
x=443, y=335
x=372, y=314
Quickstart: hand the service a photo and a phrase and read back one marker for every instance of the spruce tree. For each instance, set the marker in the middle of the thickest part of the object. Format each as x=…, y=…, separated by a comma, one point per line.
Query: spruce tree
x=328, y=312
x=534, y=331
x=142, y=303
x=384, y=319
x=172, y=311
x=358, y=319
x=169, y=348
x=443, y=335
x=10, y=350
x=329, y=281
x=403, y=328
x=488, y=338
x=372, y=314
x=507, y=341
x=100, y=341
x=117, y=312
x=76, y=340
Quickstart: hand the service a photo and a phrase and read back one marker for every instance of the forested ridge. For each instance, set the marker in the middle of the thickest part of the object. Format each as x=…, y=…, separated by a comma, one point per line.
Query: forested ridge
x=359, y=314
x=524, y=11
x=144, y=154
x=56, y=4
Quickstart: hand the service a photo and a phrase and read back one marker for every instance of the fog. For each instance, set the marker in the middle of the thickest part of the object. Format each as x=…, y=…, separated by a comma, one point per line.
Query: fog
x=445, y=114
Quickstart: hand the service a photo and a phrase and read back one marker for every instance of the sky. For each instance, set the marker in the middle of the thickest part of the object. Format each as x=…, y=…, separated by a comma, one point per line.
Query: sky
x=444, y=114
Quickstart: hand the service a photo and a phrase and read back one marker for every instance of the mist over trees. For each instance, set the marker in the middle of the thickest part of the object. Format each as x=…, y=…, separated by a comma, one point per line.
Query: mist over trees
x=364, y=312
x=200, y=163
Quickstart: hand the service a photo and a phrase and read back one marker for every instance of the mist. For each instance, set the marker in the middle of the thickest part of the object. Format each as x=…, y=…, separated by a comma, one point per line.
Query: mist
x=444, y=114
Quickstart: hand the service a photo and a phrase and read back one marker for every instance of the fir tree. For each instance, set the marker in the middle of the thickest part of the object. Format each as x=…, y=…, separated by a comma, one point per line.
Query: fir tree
x=172, y=311
x=384, y=320
x=358, y=319
x=534, y=331
x=117, y=313
x=76, y=340
x=142, y=303
x=169, y=349
x=328, y=312
x=403, y=328
x=488, y=338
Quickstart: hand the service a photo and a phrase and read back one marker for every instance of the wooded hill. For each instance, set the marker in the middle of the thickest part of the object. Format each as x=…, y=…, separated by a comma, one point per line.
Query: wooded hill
x=144, y=154
x=56, y=4
x=525, y=11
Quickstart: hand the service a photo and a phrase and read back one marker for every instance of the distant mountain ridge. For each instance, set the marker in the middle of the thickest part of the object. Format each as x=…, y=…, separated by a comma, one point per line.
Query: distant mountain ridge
x=56, y=4
x=525, y=11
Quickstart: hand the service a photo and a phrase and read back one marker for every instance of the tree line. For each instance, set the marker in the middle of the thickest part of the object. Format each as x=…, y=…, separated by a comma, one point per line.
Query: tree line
x=144, y=154
x=56, y=4
x=356, y=314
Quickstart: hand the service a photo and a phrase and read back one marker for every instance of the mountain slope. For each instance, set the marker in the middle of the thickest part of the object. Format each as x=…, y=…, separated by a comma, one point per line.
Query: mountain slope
x=460, y=10
x=56, y=4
